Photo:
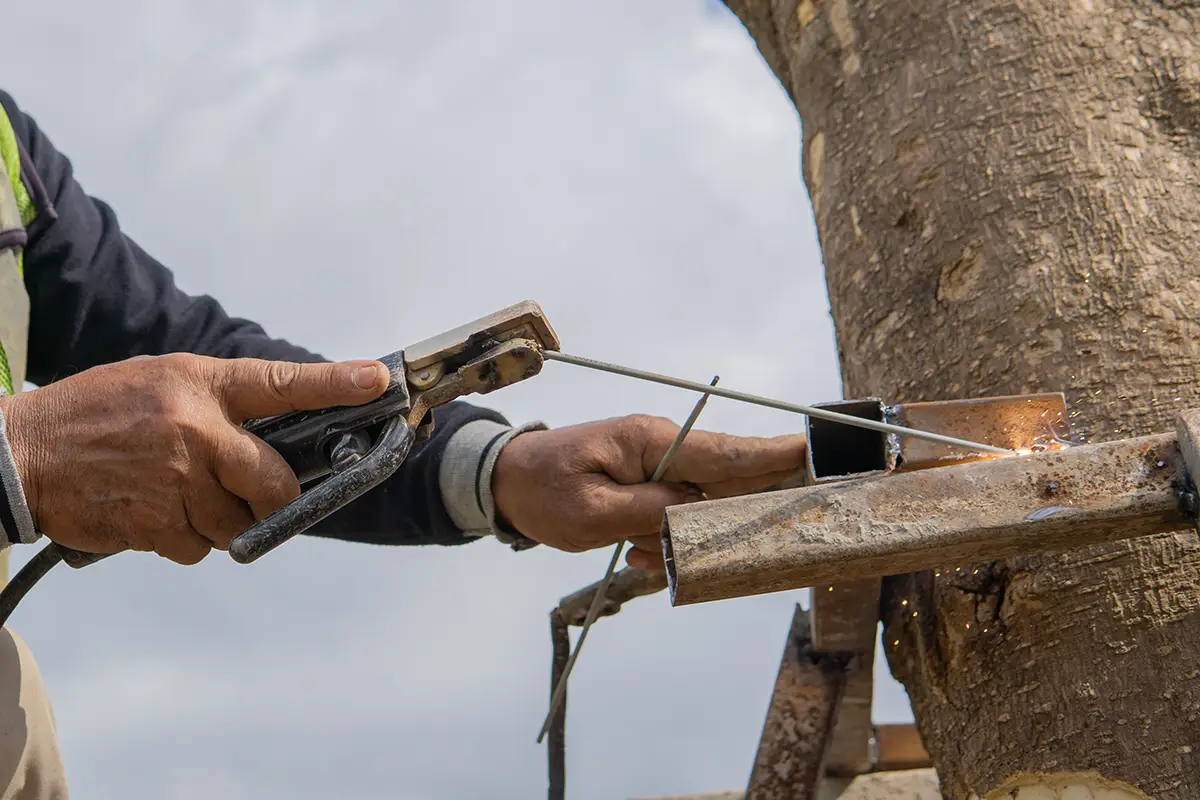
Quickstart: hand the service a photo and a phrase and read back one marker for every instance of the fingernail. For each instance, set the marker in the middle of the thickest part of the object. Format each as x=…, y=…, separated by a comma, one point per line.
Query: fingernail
x=366, y=377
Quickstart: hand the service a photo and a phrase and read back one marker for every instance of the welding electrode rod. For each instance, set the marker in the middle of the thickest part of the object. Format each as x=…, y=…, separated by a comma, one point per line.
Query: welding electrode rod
x=602, y=590
x=794, y=408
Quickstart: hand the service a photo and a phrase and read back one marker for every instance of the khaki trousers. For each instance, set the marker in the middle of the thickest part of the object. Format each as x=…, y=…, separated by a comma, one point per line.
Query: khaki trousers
x=30, y=762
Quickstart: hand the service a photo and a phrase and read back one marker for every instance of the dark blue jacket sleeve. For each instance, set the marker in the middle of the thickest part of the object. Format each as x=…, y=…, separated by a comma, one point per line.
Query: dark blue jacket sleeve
x=96, y=297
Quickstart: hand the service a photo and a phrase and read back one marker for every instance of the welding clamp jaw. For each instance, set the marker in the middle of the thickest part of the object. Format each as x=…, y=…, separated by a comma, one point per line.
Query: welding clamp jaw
x=338, y=454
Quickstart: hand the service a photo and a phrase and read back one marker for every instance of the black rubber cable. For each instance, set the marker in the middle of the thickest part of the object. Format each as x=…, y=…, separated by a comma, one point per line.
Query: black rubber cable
x=556, y=745
x=27, y=578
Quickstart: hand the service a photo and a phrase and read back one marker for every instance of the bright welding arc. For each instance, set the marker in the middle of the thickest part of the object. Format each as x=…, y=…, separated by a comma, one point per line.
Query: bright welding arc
x=780, y=405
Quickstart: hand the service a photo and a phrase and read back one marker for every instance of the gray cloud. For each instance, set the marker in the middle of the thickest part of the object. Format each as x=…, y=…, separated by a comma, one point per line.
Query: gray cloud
x=356, y=175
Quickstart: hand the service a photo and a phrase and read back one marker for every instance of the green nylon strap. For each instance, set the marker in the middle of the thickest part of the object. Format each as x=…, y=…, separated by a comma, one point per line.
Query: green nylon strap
x=12, y=165
x=5, y=373
x=11, y=158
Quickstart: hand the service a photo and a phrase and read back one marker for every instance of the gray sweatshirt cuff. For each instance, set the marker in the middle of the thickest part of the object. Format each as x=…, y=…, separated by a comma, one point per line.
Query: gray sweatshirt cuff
x=465, y=476
x=15, y=518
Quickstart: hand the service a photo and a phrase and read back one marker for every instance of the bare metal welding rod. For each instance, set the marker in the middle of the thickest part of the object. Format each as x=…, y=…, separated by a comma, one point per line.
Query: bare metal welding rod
x=602, y=590
x=795, y=408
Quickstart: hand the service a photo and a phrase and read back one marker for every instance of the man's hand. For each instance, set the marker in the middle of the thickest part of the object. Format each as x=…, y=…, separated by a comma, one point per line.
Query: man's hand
x=585, y=486
x=148, y=454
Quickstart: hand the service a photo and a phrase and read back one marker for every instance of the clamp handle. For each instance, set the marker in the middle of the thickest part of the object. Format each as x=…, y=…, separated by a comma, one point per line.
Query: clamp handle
x=354, y=474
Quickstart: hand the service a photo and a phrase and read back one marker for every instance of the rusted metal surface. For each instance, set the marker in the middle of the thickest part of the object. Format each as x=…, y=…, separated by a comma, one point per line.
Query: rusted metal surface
x=837, y=451
x=850, y=748
x=899, y=747
x=627, y=584
x=845, y=615
x=799, y=724
x=911, y=521
x=844, y=618
x=1021, y=422
x=573, y=610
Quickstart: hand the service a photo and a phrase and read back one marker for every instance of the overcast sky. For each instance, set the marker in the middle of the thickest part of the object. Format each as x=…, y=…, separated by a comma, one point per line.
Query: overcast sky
x=358, y=175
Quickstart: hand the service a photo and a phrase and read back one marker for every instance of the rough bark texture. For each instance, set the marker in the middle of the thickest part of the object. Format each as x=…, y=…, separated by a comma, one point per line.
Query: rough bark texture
x=1006, y=193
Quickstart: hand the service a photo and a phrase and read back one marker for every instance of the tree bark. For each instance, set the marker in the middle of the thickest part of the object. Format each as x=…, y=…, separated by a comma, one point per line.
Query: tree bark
x=1006, y=194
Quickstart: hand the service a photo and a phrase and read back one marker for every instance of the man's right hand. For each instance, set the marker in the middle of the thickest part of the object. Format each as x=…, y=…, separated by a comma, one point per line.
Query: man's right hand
x=149, y=453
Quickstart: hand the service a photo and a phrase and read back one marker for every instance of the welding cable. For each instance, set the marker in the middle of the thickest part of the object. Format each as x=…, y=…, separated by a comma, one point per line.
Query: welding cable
x=27, y=578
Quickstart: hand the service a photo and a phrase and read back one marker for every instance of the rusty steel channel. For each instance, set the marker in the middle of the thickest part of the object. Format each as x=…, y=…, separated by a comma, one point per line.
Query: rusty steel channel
x=907, y=522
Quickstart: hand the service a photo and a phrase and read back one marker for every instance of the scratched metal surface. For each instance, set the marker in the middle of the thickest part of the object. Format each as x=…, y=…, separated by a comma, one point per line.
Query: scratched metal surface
x=907, y=522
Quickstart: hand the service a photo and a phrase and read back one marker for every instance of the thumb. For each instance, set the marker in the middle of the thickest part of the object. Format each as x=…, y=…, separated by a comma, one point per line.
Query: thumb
x=251, y=388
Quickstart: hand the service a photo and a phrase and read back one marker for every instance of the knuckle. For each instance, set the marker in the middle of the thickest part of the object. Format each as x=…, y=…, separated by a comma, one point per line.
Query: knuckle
x=730, y=449
x=282, y=379
x=224, y=536
x=655, y=427
x=175, y=361
x=636, y=427
x=171, y=369
x=175, y=412
x=279, y=487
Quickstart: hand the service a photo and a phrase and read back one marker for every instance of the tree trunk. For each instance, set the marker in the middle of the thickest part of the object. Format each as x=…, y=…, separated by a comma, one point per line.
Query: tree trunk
x=1006, y=194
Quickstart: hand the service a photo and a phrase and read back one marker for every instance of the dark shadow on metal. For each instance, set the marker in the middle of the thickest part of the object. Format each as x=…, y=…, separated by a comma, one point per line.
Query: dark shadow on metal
x=837, y=451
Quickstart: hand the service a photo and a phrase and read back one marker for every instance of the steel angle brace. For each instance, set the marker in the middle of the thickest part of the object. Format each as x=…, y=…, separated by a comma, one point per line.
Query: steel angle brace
x=795, y=755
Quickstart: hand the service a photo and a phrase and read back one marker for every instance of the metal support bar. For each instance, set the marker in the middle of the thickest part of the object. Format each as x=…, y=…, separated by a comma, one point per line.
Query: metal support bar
x=798, y=729
x=628, y=584
x=1187, y=433
x=850, y=747
x=560, y=641
x=900, y=749
x=908, y=522
x=845, y=616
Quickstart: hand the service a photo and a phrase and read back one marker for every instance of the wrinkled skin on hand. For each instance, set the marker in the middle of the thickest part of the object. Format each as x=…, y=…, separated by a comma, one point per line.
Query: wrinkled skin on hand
x=586, y=486
x=149, y=454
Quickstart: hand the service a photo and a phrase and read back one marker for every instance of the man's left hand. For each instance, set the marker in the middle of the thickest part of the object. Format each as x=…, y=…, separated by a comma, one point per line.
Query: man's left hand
x=586, y=486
